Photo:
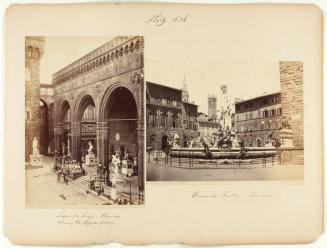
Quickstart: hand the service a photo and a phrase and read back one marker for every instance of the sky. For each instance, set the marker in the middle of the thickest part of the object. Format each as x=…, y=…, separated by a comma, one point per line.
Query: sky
x=244, y=79
x=202, y=72
x=61, y=51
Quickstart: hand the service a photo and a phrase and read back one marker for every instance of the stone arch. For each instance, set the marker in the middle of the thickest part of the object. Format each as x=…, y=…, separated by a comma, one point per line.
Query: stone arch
x=63, y=106
x=83, y=100
x=101, y=116
x=117, y=123
x=44, y=127
x=83, y=131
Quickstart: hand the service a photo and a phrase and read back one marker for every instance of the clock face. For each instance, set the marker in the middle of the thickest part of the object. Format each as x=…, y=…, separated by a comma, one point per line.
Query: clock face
x=117, y=136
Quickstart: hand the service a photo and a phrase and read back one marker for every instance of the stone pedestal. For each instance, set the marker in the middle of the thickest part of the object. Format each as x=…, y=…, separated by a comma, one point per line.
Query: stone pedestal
x=113, y=194
x=36, y=160
x=286, y=138
x=91, y=160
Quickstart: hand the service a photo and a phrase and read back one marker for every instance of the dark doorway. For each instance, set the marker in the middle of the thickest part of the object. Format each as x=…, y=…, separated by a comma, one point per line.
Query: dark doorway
x=164, y=142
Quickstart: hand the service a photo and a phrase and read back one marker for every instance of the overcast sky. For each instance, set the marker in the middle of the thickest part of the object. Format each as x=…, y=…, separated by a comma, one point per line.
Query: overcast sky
x=61, y=51
x=204, y=74
x=244, y=79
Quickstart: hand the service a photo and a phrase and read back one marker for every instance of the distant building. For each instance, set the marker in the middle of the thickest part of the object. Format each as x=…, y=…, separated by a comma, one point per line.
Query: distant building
x=257, y=118
x=206, y=127
x=167, y=113
x=212, y=107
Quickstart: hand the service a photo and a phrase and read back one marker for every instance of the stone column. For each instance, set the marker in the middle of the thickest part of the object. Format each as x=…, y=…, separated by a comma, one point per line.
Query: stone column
x=76, y=141
x=140, y=153
x=58, y=131
x=102, y=129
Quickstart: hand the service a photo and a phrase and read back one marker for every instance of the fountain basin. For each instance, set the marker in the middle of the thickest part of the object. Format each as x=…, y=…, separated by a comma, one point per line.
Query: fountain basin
x=218, y=153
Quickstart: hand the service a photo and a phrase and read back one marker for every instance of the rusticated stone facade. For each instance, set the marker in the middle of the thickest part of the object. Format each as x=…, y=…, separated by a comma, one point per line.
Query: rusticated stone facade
x=291, y=83
x=34, y=47
x=99, y=98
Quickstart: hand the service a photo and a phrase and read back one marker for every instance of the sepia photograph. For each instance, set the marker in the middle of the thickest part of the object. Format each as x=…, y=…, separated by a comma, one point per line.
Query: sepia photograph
x=225, y=120
x=84, y=121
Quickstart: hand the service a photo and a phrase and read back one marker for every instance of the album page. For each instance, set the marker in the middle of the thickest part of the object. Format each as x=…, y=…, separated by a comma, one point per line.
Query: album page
x=163, y=123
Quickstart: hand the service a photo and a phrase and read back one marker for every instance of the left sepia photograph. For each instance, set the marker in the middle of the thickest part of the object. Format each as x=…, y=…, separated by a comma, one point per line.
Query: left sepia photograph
x=84, y=121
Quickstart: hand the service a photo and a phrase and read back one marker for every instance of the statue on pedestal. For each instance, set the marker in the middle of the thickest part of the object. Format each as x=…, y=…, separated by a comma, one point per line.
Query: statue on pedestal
x=176, y=140
x=225, y=108
x=90, y=158
x=35, y=157
x=35, y=147
x=285, y=133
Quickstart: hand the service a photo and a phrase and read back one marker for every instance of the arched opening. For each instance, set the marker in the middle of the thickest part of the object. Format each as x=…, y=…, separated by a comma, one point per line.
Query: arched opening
x=121, y=113
x=86, y=116
x=44, y=128
x=164, y=141
x=153, y=140
x=65, y=139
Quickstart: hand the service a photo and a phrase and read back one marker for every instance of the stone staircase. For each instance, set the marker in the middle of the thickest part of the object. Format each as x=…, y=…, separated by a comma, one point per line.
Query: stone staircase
x=299, y=160
x=82, y=182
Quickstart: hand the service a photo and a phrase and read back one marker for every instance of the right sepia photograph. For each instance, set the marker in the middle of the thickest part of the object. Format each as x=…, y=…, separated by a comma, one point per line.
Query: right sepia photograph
x=225, y=121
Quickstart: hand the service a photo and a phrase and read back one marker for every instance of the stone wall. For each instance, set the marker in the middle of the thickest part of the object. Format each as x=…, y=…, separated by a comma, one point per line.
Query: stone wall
x=291, y=83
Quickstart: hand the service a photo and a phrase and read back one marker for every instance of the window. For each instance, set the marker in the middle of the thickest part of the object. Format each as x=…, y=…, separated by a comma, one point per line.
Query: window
x=152, y=120
x=164, y=101
x=163, y=121
x=174, y=103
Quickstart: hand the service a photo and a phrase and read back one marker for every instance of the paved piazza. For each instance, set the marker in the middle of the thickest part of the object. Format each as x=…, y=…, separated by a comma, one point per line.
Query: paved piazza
x=246, y=171
x=42, y=189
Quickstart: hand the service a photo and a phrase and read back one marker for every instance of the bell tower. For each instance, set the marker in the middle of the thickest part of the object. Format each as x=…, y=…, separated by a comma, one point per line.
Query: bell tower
x=34, y=47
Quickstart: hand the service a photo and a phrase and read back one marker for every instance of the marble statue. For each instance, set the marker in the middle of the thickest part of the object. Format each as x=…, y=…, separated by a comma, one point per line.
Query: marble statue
x=225, y=108
x=35, y=147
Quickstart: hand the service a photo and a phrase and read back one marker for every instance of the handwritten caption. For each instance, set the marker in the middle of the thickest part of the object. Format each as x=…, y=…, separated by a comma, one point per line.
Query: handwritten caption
x=87, y=219
x=161, y=19
x=231, y=194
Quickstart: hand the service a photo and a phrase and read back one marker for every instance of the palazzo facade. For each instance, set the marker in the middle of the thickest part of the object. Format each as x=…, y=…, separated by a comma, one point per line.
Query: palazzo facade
x=99, y=99
x=169, y=113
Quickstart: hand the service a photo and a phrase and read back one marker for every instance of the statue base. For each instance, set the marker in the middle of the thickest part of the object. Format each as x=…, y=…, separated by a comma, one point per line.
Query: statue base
x=113, y=194
x=286, y=138
x=36, y=160
x=91, y=160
